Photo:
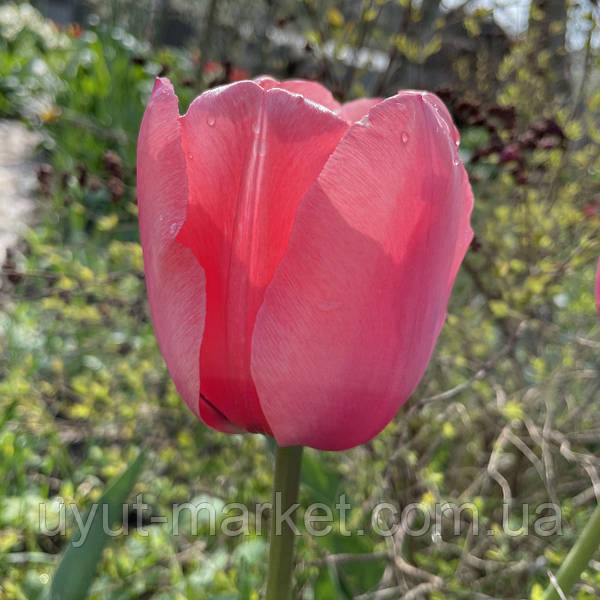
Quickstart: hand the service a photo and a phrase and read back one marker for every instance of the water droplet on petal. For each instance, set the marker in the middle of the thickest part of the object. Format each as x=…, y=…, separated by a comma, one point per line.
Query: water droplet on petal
x=404, y=137
x=256, y=127
x=456, y=162
x=210, y=120
x=457, y=142
x=173, y=228
x=190, y=156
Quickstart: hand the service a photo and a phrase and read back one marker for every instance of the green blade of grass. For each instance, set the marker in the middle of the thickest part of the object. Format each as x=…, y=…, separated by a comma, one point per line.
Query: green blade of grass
x=77, y=567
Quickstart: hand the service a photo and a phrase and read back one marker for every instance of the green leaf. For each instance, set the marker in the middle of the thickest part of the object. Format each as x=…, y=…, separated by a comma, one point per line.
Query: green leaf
x=361, y=575
x=78, y=565
x=327, y=586
x=319, y=480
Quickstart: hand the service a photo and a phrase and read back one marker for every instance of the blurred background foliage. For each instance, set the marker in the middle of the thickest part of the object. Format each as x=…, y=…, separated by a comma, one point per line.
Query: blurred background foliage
x=508, y=410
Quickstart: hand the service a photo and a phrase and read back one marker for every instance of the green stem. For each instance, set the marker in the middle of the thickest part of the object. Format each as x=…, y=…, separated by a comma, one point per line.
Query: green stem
x=577, y=559
x=285, y=495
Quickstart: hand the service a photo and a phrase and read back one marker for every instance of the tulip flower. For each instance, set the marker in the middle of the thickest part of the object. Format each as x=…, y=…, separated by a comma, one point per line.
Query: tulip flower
x=299, y=254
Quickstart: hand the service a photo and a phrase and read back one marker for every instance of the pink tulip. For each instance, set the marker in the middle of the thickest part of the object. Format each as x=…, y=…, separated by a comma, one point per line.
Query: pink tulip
x=299, y=254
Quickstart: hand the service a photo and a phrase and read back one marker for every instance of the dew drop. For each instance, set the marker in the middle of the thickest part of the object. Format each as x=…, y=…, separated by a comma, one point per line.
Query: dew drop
x=404, y=137
x=173, y=228
x=210, y=120
x=256, y=127
x=457, y=142
x=190, y=156
x=456, y=162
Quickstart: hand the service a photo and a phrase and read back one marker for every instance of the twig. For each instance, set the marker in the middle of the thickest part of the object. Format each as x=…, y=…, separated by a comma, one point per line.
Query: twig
x=398, y=592
x=481, y=373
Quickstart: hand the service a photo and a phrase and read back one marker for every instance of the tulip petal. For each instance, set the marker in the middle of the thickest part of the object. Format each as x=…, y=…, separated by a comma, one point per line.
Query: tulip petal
x=441, y=109
x=174, y=279
x=355, y=110
x=251, y=155
x=350, y=319
x=311, y=90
